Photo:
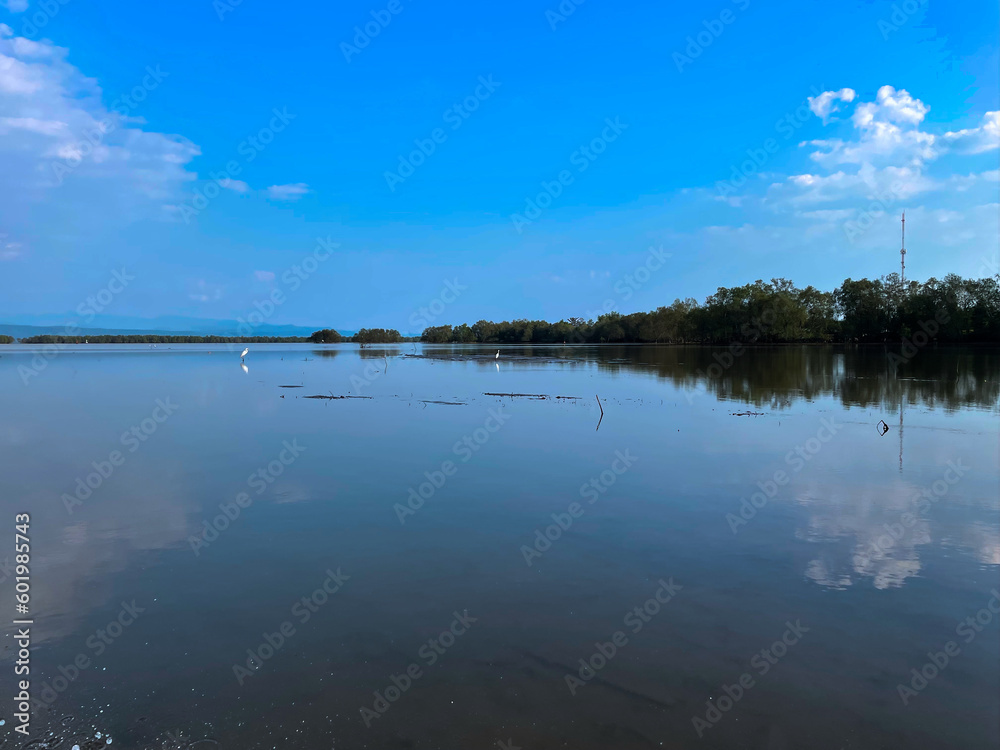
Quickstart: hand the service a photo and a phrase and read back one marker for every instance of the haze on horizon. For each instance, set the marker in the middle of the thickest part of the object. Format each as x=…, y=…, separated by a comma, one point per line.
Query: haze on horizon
x=513, y=161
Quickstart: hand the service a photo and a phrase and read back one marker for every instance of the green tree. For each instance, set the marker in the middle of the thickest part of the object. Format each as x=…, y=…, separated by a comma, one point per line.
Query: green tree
x=437, y=335
x=377, y=336
x=326, y=336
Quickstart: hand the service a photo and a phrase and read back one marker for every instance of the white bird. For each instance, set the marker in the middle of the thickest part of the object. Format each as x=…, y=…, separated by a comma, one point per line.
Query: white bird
x=244, y=352
x=498, y=354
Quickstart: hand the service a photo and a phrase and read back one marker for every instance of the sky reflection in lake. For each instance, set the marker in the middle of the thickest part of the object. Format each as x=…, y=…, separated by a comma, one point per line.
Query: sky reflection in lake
x=433, y=498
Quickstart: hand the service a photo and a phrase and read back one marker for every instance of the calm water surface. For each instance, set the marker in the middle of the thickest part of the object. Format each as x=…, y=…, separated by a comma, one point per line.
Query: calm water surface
x=480, y=546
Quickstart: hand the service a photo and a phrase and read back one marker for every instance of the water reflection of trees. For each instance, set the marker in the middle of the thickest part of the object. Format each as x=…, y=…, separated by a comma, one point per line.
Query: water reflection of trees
x=367, y=353
x=378, y=352
x=946, y=378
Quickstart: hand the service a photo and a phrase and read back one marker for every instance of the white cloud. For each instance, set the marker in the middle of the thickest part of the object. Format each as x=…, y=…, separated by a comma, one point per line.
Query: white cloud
x=9, y=250
x=237, y=186
x=881, y=143
x=288, y=192
x=885, y=161
x=16, y=6
x=63, y=141
x=33, y=125
x=887, y=133
x=17, y=77
x=891, y=183
x=977, y=140
x=203, y=291
x=735, y=201
x=960, y=183
x=27, y=48
x=886, y=158
x=826, y=103
x=827, y=214
x=892, y=106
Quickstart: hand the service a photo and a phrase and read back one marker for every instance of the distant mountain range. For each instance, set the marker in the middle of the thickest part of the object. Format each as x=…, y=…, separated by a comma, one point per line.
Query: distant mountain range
x=37, y=325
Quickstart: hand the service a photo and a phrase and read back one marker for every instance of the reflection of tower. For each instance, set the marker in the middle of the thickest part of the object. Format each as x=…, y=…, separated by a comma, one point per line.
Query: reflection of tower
x=902, y=253
x=902, y=404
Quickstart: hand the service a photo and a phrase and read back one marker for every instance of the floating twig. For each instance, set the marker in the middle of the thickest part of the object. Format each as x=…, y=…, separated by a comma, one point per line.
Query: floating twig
x=331, y=397
x=532, y=395
x=539, y=396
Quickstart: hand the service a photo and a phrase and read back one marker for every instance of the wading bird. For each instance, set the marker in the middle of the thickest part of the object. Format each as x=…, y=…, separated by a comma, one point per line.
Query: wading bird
x=244, y=354
x=498, y=354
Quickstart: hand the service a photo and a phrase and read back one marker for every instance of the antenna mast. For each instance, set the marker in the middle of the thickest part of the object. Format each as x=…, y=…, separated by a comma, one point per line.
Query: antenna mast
x=902, y=253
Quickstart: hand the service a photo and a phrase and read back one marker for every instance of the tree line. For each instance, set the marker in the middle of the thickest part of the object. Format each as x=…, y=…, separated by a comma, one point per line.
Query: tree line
x=364, y=336
x=142, y=338
x=325, y=336
x=885, y=310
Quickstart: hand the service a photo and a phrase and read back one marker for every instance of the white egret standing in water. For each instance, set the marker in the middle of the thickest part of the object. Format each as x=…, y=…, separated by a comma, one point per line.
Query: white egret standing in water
x=498, y=354
x=244, y=354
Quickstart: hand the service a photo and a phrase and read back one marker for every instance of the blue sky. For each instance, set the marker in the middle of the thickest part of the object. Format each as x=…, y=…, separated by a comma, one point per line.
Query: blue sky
x=750, y=140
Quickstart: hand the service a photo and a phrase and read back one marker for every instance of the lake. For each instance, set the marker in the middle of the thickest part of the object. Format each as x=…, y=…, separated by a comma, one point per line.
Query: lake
x=769, y=548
